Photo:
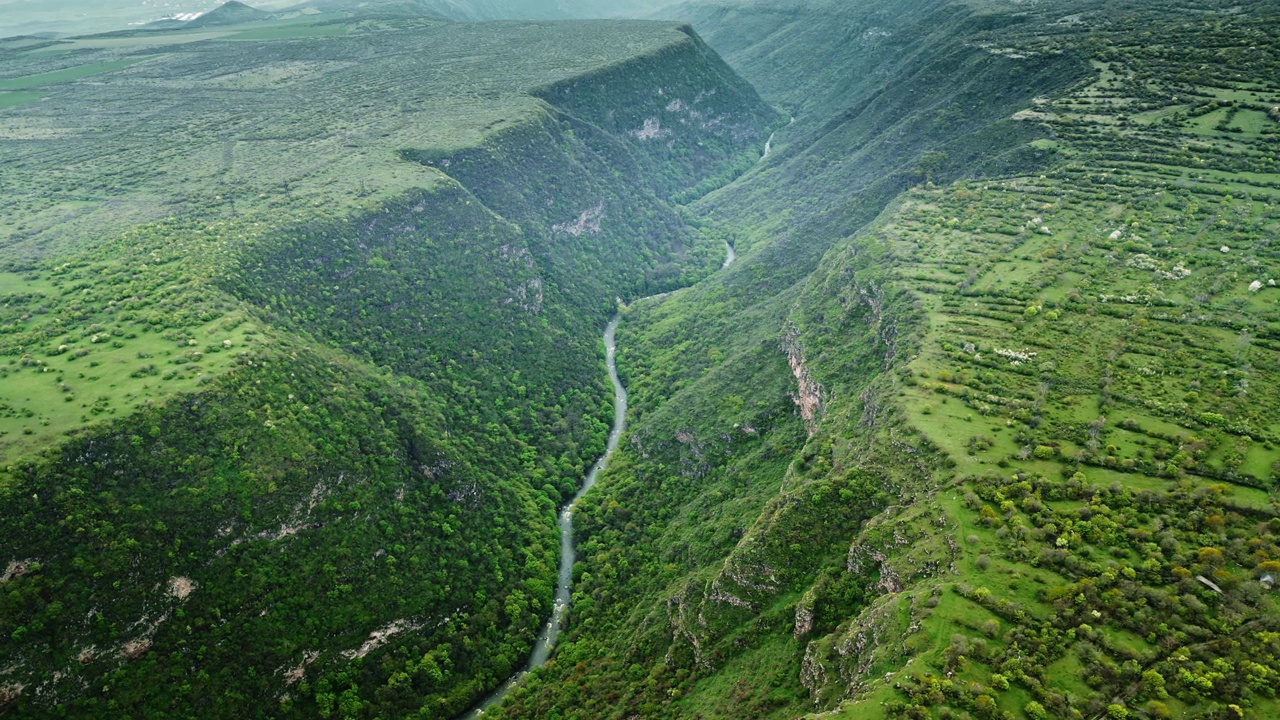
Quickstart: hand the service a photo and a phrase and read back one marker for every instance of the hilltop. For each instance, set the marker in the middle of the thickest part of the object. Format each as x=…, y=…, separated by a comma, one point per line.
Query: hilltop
x=232, y=12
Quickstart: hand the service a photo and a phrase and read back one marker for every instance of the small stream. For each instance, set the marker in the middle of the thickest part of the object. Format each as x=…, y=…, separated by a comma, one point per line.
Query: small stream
x=547, y=639
x=768, y=144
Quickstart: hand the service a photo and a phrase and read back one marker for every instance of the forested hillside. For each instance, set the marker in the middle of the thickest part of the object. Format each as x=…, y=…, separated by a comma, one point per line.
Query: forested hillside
x=301, y=322
x=982, y=423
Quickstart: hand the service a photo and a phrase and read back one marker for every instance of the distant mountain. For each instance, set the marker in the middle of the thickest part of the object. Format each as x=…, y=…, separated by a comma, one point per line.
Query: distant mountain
x=231, y=13
x=411, y=8
x=463, y=10
x=481, y=10
x=75, y=17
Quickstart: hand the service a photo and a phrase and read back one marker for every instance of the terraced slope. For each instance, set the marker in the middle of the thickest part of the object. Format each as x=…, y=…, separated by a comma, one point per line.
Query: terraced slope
x=996, y=447
x=300, y=328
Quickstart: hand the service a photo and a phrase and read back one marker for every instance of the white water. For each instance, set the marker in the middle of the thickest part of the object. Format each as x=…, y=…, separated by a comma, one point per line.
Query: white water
x=768, y=144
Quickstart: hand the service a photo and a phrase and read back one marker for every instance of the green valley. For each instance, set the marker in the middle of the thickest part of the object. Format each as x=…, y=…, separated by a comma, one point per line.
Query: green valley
x=300, y=358
x=301, y=326
x=981, y=423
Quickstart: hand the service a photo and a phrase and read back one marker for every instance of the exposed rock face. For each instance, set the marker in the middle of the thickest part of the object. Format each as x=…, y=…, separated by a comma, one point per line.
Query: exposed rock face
x=181, y=587
x=9, y=693
x=804, y=615
x=813, y=674
x=528, y=297
x=588, y=222
x=135, y=649
x=652, y=130
x=809, y=393
x=380, y=637
x=16, y=569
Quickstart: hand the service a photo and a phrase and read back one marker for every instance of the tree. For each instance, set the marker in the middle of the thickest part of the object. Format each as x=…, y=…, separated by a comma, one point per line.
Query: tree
x=1153, y=683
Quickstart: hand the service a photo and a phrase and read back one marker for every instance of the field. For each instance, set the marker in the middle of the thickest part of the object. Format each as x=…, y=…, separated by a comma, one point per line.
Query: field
x=228, y=134
x=1097, y=363
x=234, y=131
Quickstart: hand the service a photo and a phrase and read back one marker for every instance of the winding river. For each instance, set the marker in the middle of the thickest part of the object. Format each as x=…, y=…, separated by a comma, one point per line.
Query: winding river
x=547, y=640
x=550, y=632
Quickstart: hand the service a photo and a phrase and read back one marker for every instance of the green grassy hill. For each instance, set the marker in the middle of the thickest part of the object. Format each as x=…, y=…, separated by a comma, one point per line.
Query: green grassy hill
x=981, y=423
x=301, y=324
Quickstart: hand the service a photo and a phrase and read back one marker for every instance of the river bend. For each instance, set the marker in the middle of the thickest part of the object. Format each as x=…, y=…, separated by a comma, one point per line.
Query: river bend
x=551, y=631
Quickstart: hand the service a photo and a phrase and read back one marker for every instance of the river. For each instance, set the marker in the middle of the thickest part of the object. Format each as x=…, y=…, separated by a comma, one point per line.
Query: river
x=551, y=631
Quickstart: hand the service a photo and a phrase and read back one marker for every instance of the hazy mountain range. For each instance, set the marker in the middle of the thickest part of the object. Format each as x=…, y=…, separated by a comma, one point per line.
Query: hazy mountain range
x=76, y=17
